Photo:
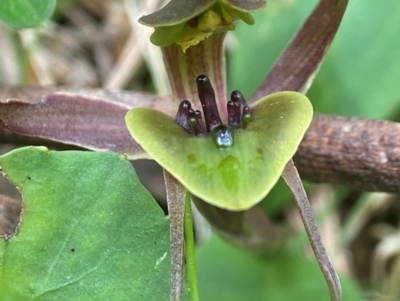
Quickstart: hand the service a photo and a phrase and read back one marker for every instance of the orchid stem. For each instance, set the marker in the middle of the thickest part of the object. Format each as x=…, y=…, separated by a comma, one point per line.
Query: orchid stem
x=190, y=250
x=292, y=179
x=176, y=195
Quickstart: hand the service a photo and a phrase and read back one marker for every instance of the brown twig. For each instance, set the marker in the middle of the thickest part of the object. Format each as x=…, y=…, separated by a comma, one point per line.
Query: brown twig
x=10, y=210
x=359, y=153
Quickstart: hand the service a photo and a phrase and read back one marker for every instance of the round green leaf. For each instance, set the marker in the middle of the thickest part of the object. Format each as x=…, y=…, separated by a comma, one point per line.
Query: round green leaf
x=89, y=230
x=26, y=13
x=234, y=178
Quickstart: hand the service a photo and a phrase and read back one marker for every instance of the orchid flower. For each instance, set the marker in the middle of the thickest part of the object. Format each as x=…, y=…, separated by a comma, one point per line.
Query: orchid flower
x=226, y=154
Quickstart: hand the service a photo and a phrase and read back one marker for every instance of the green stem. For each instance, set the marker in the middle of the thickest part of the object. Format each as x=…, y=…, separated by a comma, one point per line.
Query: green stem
x=190, y=252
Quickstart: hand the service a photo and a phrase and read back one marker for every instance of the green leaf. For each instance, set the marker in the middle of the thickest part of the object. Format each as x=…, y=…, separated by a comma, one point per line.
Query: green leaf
x=234, y=178
x=89, y=230
x=26, y=13
x=226, y=273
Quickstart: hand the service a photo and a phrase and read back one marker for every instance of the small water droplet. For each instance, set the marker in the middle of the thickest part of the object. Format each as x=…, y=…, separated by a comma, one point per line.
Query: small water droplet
x=222, y=136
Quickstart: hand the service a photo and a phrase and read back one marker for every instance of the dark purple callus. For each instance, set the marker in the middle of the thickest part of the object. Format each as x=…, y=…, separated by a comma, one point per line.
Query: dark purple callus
x=235, y=109
x=233, y=118
x=182, y=115
x=195, y=122
x=246, y=117
x=208, y=102
x=239, y=115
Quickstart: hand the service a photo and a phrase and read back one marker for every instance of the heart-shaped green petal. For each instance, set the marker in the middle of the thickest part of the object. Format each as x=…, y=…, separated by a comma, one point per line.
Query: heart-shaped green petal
x=234, y=178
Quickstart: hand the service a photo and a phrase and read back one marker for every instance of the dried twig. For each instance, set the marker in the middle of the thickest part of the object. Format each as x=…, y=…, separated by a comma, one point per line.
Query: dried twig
x=356, y=152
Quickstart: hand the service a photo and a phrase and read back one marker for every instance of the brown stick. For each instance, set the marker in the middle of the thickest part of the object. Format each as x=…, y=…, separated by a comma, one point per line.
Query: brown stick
x=359, y=153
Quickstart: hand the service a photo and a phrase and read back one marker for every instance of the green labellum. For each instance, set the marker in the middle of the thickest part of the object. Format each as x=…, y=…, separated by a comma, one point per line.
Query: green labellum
x=236, y=177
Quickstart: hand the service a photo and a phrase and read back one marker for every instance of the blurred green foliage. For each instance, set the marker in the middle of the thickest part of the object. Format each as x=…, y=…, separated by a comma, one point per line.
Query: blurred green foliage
x=242, y=276
x=360, y=74
x=26, y=13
